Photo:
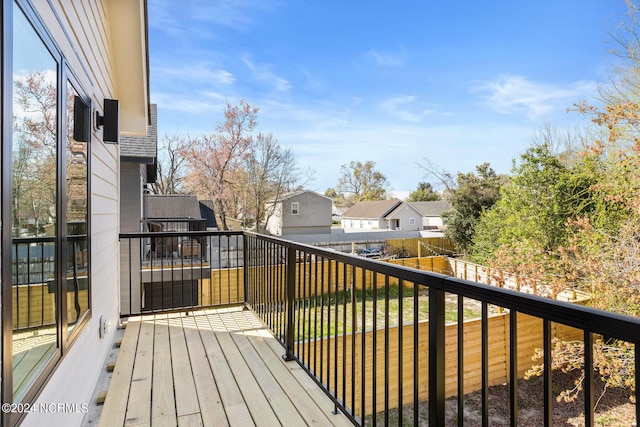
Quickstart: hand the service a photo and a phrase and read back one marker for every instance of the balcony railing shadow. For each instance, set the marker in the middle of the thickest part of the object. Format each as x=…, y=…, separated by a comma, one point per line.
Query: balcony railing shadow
x=376, y=336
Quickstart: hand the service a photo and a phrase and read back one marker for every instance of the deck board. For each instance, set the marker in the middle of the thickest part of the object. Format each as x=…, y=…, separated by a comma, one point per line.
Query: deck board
x=209, y=400
x=183, y=382
x=163, y=409
x=115, y=404
x=210, y=368
x=139, y=409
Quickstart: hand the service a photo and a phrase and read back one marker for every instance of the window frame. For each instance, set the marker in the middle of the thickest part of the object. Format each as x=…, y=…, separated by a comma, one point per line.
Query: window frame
x=64, y=77
x=295, y=208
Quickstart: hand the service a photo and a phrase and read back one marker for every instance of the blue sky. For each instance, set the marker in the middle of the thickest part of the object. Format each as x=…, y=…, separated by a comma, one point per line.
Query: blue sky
x=459, y=83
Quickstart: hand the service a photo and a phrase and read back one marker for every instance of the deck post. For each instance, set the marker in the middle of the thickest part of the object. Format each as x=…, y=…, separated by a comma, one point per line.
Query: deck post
x=291, y=282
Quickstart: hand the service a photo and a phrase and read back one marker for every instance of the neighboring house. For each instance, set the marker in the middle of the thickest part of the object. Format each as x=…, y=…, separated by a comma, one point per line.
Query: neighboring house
x=411, y=216
x=368, y=215
x=208, y=214
x=68, y=60
x=300, y=212
x=179, y=212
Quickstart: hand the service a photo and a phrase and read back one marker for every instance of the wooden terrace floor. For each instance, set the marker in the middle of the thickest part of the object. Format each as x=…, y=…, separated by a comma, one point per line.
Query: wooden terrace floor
x=210, y=368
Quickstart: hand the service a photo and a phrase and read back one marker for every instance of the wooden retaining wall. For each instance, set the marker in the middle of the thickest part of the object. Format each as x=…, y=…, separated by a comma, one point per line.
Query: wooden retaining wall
x=323, y=351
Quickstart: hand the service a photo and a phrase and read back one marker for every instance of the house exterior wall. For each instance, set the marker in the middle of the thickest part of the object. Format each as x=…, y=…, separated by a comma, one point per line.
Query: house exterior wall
x=132, y=178
x=81, y=30
x=363, y=224
x=432, y=222
x=131, y=182
x=313, y=217
x=406, y=215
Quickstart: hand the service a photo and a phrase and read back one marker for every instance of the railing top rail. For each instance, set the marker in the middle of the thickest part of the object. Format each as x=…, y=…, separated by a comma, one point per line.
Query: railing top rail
x=142, y=234
x=25, y=240
x=590, y=319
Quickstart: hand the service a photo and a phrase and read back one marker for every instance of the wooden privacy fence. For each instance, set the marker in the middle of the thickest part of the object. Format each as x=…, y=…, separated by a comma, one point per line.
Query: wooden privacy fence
x=34, y=305
x=226, y=286
x=481, y=274
x=424, y=246
x=396, y=362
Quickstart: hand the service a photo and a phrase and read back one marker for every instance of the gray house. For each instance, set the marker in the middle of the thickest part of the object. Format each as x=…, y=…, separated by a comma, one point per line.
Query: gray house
x=368, y=215
x=411, y=216
x=300, y=212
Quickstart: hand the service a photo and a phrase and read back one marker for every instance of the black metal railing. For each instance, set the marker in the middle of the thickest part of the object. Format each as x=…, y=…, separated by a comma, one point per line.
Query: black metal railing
x=379, y=338
x=162, y=271
x=34, y=279
x=388, y=344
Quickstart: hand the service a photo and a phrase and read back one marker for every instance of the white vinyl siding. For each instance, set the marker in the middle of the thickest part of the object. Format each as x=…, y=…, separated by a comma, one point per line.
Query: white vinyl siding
x=80, y=29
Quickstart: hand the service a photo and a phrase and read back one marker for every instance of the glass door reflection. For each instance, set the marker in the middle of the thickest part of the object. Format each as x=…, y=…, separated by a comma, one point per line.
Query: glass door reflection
x=34, y=205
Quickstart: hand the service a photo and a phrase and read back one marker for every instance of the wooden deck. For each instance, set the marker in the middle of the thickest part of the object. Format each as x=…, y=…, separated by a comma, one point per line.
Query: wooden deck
x=210, y=368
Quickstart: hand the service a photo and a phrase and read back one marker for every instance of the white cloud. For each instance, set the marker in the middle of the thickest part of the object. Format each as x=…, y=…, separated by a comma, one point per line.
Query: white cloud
x=200, y=71
x=236, y=14
x=510, y=94
x=264, y=73
x=405, y=107
x=386, y=59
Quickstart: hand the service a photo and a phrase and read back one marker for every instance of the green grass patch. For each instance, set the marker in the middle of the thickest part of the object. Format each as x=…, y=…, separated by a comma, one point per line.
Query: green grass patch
x=323, y=315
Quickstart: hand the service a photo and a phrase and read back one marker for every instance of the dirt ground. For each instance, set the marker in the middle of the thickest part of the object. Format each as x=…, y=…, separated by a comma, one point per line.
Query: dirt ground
x=614, y=408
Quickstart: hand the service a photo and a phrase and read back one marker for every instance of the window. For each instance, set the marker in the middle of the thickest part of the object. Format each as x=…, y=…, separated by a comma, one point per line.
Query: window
x=47, y=274
x=412, y=221
x=295, y=208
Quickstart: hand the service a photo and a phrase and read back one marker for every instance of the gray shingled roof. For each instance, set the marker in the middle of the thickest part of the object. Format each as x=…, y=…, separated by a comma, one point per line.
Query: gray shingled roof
x=290, y=194
x=144, y=148
x=172, y=206
x=371, y=209
x=433, y=208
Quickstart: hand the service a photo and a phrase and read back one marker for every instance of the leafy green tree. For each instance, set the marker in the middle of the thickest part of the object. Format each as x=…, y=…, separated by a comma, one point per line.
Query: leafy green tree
x=363, y=181
x=475, y=193
x=424, y=193
x=338, y=199
x=543, y=194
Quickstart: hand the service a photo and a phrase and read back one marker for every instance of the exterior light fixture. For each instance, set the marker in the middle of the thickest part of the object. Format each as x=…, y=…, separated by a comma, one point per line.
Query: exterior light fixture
x=110, y=121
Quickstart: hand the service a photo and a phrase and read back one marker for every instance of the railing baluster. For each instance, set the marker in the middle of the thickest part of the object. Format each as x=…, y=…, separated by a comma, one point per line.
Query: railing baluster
x=416, y=353
x=335, y=342
x=400, y=349
x=636, y=353
x=354, y=333
x=460, y=363
x=547, y=377
x=386, y=351
x=436, y=357
x=316, y=336
x=374, y=356
x=344, y=335
x=363, y=354
x=513, y=366
x=588, y=379
x=322, y=335
x=485, y=363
